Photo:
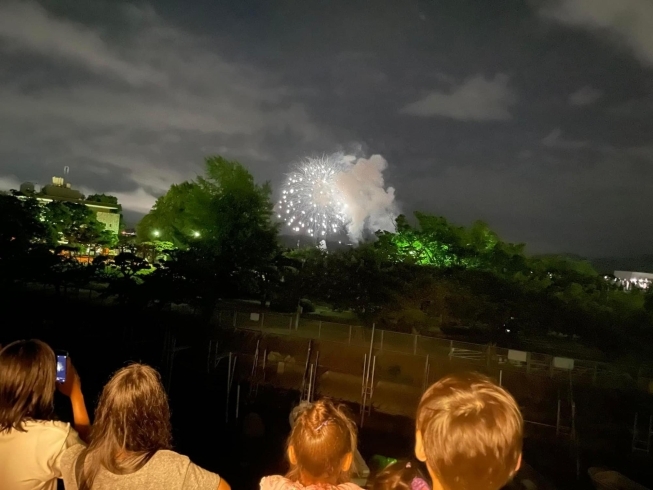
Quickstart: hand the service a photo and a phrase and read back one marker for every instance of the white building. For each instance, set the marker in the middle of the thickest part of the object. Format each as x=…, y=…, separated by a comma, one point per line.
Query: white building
x=629, y=279
x=60, y=190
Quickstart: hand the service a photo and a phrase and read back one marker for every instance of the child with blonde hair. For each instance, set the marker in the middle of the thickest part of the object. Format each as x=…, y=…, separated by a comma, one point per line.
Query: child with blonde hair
x=320, y=450
x=469, y=433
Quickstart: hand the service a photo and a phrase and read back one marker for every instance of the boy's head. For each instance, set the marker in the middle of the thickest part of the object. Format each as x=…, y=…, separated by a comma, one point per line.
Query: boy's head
x=469, y=433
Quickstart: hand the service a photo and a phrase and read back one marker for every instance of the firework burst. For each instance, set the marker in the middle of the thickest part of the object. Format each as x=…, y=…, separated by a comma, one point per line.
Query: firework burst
x=310, y=199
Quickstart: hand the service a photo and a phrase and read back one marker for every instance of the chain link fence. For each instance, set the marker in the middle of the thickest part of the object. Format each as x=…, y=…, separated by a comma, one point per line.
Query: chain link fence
x=404, y=354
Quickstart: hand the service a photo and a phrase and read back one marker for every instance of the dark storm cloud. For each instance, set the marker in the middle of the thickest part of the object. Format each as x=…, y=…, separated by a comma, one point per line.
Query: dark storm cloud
x=142, y=113
x=535, y=118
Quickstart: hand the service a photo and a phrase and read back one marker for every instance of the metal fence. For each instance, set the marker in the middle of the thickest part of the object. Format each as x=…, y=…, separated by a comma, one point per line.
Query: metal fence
x=474, y=356
x=388, y=372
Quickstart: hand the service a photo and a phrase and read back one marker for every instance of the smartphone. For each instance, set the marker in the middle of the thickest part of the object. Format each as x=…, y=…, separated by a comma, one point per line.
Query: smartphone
x=62, y=366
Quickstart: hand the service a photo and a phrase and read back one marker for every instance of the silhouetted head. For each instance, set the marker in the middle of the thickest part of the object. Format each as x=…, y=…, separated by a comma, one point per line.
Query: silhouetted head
x=321, y=444
x=401, y=475
x=132, y=423
x=27, y=383
x=469, y=433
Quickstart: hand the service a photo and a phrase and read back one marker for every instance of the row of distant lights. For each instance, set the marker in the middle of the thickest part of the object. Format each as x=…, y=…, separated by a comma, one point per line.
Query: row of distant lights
x=628, y=283
x=157, y=234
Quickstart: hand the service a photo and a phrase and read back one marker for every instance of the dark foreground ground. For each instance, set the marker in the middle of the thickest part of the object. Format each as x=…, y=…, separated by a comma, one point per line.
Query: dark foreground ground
x=102, y=339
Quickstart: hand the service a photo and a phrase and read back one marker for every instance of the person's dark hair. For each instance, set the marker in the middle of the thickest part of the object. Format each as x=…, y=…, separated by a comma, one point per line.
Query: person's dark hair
x=27, y=383
x=132, y=423
x=322, y=436
x=399, y=475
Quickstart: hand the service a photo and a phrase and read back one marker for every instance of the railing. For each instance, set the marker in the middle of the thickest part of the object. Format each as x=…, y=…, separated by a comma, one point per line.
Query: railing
x=532, y=363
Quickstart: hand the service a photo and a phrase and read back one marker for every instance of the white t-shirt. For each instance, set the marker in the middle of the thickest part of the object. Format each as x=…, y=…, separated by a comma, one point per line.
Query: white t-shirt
x=166, y=470
x=31, y=460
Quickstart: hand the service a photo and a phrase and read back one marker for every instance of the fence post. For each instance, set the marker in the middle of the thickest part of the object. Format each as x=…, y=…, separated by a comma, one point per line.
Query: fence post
x=371, y=343
x=349, y=335
x=208, y=357
x=415, y=344
x=226, y=416
x=319, y=329
x=235, y=319
x=364, y=374
x=237, y=399
x=425, y=383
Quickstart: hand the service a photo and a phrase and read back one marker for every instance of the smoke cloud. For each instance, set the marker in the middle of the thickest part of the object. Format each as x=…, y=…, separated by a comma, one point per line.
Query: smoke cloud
x=370, y=206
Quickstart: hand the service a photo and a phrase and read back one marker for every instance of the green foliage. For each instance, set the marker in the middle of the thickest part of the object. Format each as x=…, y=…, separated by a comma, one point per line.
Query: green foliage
x=77, y=225
x=24, y=237
x=22, y=223
x=177, y=216
x=103, y=198
x=436, y=275
x=225, y=208
x=126, y=243
x=123, y=274
x=214, y=238
x=155, y=251
x=221, y=224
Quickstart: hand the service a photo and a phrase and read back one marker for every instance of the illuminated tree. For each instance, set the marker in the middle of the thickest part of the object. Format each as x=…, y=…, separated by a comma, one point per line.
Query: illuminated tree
x=77, y=225
x=222, y=224
x=176, y=217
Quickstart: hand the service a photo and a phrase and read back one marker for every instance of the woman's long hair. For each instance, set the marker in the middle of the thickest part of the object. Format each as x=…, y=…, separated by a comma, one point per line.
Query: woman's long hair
x=132, y=423
x=27, y=383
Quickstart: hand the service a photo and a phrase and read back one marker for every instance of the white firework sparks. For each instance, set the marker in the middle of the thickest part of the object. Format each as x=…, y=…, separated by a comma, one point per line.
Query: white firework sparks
x=311, y=201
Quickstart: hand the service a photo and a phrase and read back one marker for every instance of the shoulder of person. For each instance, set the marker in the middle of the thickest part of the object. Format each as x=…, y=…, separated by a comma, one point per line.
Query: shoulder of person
x=70, y=455
x=52, y=426
x=51, y=432
x=278, y=482
x=165, y=456
x=348, y=486
x=68, y=464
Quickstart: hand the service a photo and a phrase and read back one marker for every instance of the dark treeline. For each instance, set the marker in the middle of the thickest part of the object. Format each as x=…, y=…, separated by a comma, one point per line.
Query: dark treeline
x=215, y=238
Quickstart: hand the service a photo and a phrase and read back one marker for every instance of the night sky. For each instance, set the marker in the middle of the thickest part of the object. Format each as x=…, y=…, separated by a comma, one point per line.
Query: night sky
x=536, y=117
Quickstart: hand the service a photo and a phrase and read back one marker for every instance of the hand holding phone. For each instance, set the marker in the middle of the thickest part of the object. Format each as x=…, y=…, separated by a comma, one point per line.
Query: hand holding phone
x=62, y=366
x=71, y=385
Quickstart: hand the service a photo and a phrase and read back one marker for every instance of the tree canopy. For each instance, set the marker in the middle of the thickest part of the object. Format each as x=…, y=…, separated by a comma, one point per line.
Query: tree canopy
x=77, y=225
x=103, y=198
x=214, y=237
x=23, y=235
x=221, y=223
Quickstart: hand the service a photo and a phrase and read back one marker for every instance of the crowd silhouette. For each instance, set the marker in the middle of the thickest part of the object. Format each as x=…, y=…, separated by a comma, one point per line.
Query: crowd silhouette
x=468, y=436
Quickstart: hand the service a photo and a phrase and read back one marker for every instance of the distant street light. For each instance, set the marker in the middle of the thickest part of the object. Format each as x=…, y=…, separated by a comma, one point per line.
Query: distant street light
x=196, y=234
x=156, y=233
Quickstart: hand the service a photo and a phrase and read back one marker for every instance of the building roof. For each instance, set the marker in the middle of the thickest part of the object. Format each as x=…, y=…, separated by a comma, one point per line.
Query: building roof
x=628, y=275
